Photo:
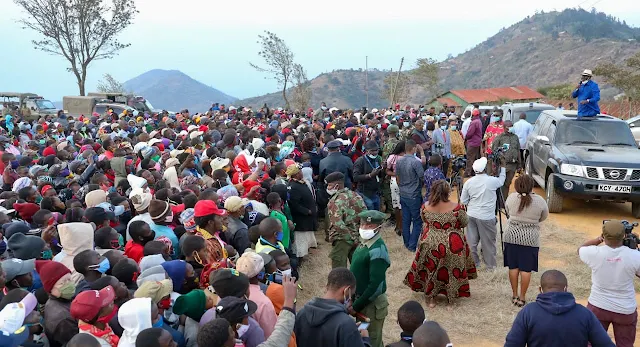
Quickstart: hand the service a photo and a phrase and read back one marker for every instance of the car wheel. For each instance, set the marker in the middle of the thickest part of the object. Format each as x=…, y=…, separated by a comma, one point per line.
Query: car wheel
x=554, y=199
x=635, y=209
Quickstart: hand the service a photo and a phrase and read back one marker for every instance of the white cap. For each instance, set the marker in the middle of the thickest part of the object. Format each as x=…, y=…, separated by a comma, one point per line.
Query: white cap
x=375, y=110
x=480, y=164
x=587, y=72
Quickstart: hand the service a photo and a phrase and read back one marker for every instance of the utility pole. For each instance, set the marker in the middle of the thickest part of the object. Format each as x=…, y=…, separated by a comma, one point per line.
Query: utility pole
x=366, y=79
x=395, y=88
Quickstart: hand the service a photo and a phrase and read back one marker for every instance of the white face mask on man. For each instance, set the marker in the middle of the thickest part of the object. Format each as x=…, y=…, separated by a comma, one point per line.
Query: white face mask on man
x=368, y=234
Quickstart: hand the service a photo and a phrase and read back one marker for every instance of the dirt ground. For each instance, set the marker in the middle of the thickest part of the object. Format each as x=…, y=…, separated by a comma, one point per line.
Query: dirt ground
x=485, y=318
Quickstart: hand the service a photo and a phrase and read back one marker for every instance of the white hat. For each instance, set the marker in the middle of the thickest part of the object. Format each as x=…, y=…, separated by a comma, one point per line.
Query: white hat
x=333, y=109
x=153, y=133
x=139, y=146
x=219, y=163
x=191, y=127
x=257, y=143
x=480, y=164
x=231, y=108
x=195, y=134
x=154, y=141
x=587, y=72
x=183, y=133
x=176, y=152
x=375, y=110
x=12, y=316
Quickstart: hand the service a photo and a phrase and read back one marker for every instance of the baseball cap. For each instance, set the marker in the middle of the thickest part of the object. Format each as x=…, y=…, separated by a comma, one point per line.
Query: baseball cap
x=235, y=309
x=87, y=304
x=207, y=207
x=15, y=267
x=250, y=264
x=116, y=210
x=229, y=282
x=156, y=290
x=98, y=215
x=12, y=316
x=334, y=144
x=234, y=203
x=613, y=230
x=475, y=112
x=14, y=339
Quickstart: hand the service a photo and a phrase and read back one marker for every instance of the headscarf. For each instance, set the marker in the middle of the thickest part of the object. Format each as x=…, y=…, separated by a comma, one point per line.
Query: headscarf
x=21, y=182
x=134, y=316
x=177, y=270
x=286, y=149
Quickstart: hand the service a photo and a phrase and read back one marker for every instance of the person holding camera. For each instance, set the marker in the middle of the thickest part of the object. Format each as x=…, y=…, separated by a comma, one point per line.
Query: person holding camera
x=613, y=269
x=368, y=172
x=479, y=194
x=442, y=144
x=510, y=144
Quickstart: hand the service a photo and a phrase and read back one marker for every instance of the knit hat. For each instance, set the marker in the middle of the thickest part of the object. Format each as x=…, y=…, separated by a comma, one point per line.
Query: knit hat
x=158, y=210
x=177, y=270
x=140, y=199
x=613, y=230
x=292, y=170
x=50, y=273
x=229, y=282
x=150, y=261
x=154, y=290
x=187, y=218
x=48, y=151
x=15, y=228
x=250, y=264
x=26, y=246
x=20, y=183
x=154, y=273
x=135, y=181
x=192, y=304
x=95, y=197
x=26, y=210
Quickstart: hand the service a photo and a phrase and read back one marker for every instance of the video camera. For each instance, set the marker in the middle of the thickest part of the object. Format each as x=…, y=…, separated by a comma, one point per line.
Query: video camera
x=458, y=164
x=630, y=240
x=497, y=154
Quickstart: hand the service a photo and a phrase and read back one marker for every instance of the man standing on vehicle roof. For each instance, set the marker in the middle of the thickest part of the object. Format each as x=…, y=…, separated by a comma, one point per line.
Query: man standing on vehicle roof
x=588, y=94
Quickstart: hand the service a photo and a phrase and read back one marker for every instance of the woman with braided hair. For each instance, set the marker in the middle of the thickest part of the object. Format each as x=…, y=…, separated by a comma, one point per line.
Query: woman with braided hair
x=522, y=238
x=443, y=263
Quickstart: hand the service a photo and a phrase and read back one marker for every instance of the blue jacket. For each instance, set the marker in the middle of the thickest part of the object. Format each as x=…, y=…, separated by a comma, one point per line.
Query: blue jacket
x=556, y=320
x=591, y=91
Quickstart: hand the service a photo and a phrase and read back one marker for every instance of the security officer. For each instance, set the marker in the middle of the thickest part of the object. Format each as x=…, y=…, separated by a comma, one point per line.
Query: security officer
x=369, y=265
x=343, y=210
x=510, y=143
x=336, y=162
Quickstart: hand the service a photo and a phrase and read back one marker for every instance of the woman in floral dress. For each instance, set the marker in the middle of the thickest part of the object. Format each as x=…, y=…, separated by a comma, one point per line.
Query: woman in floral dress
x=443, y=263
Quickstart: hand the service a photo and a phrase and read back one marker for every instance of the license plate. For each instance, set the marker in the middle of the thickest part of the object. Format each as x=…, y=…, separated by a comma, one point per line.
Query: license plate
x=614, y=189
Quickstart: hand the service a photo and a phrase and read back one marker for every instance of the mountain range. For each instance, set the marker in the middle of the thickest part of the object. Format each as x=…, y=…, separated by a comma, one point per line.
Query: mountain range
x=541, y=50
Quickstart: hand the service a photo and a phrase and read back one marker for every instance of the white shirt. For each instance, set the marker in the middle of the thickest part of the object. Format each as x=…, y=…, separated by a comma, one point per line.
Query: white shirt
x=465, y=127
x=612, y=273
x=479, y=194
x=522, y=128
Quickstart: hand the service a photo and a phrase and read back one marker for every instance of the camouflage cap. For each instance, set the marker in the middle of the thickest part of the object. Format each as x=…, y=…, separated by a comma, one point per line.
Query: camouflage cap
x=372, y=217
x=393, y=129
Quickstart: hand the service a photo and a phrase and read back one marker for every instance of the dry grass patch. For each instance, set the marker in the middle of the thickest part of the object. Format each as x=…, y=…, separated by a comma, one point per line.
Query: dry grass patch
x=485, y=318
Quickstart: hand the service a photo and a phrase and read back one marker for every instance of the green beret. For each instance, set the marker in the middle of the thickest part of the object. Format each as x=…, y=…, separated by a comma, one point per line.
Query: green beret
x=192, y=304
x=372, y=217
x=393, y=129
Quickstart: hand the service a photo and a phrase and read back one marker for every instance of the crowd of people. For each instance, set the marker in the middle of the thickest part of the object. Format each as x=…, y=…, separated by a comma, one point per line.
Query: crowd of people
x=164, y=230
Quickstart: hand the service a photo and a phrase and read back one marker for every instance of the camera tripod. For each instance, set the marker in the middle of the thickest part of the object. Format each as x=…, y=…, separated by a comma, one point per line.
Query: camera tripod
x=500, y=206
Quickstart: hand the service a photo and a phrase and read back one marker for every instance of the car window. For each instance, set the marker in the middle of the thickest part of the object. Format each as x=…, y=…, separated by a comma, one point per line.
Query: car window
x=101, y=109
x=545, y=126
x=551, y=133
x=538, y=125
x=594, y=132
x=117, y=110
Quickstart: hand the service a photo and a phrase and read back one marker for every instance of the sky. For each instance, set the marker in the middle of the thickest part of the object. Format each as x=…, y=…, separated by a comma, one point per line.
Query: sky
x=214, y=41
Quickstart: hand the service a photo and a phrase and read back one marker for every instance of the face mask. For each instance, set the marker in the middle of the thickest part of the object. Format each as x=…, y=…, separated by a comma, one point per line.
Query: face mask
x=125, y=217
x=103, y=267
x=368, y=234
x=379, y=126
x=443, y=127
x=285, y=272
x=279, y=235
x=190, y=284
x=38, y=199
x=107, y=318
x=83, y=129
x=158, y=324
x=242, y=329
x=327, y=119
x=584, y=82
x=512, y=130
x=324, y=108
x=47, y=254
x=454, y=127
x=168, y=219
x=405, y=124
x=494, y=119
x=260, y=275
x=331, y=191
x=68, y=290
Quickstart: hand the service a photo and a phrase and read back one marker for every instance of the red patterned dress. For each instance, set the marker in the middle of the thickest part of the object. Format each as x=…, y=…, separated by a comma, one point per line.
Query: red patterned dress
x=443, y=263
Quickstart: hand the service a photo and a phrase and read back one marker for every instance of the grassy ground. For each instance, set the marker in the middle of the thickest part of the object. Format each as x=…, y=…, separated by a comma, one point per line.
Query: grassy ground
x=485, y=318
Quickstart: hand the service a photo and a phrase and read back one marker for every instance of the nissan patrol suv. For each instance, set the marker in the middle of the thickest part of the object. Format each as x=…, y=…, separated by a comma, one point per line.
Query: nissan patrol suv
x=593, y=158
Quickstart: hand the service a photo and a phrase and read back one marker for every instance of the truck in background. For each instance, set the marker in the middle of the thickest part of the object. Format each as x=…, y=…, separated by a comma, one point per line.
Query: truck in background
x=76, y=106
x=31, y=106
x=137, y=102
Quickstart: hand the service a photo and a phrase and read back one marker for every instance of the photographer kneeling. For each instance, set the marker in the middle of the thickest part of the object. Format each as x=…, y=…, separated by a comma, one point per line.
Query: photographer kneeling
x=613, y=268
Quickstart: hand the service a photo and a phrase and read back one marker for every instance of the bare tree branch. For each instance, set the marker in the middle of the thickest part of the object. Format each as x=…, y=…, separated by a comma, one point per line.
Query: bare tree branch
x=278, y=58
x=627, y=79
x=301, y=91
x=79, y=30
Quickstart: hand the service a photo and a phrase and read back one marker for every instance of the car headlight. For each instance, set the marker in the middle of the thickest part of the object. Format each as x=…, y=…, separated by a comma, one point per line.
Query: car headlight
x=572, y=170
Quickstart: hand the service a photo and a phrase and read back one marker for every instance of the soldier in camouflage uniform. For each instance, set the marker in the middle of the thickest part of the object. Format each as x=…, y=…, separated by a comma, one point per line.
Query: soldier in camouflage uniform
x=511, y=145
x=343, y=210
x=388, y=148
x=405, y=133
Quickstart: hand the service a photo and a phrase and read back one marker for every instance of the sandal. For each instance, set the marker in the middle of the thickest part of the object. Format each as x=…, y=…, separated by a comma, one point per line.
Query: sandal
x=521, y=303
x=514, y=300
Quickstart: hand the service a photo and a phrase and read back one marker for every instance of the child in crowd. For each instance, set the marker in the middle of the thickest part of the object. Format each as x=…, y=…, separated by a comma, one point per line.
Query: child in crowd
x=276, y=206
x=410, y=317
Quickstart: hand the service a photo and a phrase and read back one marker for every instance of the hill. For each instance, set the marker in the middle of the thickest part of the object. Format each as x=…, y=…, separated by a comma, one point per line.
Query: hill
x=173, y=90
x=541, y=50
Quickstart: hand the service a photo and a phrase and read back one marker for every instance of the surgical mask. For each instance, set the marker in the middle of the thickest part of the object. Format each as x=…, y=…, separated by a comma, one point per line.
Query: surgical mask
x=454, y=127
x=371, y=156
x=331, y=191
x=286, y=272
x=103, y=267
x=279, y=235
x=367, y=234
x=121, y=241
x=47, y=254
x=125, y=217
x=443, y=127
x=157, y=324
x=242, y=329
x=326, y=119
x=68, y=290
x=495, y=119
x=584, y=82
x=405, y=124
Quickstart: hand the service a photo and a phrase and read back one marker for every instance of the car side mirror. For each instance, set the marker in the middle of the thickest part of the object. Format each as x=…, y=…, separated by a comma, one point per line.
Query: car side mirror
x=542, y=138
x=33, y=108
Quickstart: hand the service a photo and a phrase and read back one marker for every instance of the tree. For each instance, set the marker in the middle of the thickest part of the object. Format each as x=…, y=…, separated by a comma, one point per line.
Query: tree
x=108, y=84
x=279, y=60
x=396, y=94
x=426, y=75
x=81, y=31
x=557, y=92
x=627, y=79
x=301, y=91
